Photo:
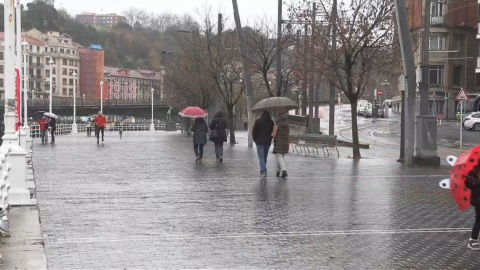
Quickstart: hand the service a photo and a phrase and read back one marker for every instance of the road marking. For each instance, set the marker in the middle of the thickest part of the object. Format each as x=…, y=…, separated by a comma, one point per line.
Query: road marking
x=159, y=237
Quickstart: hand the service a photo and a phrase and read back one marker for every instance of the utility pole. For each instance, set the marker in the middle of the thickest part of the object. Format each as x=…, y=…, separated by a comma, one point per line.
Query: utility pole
x=305, y=73
x=311, y=83
x=246, y=71
x=333, y=22
x=279, y=50
x=409, y=69
x=425, y=61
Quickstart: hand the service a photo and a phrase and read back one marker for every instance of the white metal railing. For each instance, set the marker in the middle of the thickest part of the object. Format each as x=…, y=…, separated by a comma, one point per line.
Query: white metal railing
x=4, y=190
x=63, y=129
x=437, y=19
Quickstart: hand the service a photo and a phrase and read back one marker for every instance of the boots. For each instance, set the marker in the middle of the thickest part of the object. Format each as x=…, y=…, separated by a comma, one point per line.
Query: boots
x=284, y=174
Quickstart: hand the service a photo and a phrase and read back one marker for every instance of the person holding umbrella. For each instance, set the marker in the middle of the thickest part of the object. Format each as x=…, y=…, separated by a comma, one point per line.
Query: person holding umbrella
x=53, y=128
x=281, y=132
x=472, y=182
x=199, y=130
x=262, y=136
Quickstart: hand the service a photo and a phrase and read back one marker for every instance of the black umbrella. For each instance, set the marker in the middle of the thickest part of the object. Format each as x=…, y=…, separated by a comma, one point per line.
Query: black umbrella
x=37, y=116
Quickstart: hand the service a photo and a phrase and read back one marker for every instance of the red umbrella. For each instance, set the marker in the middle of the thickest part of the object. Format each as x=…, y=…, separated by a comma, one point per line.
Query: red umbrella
x=193, y=112
x=464, y=165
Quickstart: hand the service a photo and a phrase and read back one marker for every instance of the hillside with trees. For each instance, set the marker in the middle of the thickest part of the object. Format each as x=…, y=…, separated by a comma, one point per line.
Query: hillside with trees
x=136, y=44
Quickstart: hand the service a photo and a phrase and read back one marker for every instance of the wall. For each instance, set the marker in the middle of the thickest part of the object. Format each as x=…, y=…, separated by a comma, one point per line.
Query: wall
x=91, y=73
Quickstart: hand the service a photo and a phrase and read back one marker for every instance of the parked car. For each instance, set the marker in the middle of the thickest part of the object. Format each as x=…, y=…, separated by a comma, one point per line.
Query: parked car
x=472, y=121
x=360, y=110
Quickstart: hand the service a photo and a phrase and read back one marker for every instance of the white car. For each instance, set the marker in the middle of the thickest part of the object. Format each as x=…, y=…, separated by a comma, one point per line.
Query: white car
x=472, y=121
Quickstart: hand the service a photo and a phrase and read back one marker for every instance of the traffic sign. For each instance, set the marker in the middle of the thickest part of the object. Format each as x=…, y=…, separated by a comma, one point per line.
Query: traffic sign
x=380, y=93
x=462, y=95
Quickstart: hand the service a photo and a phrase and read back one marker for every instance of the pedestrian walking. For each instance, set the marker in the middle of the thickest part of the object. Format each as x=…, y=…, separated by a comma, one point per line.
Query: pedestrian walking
x=262, y=136
x=199, y=130
x=245, y=126
x=43, y=123
x=101, y=122
x=281, y=132
x=473, y=183
x=89, y=127
x=218, y=134
x=53, y=127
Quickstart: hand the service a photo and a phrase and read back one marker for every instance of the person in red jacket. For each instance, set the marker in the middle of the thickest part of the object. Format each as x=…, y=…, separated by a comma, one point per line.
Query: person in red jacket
x=43, y=123
x=101, y=122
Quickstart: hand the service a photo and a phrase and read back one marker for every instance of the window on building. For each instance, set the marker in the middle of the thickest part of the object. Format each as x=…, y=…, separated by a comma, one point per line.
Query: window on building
x=457, y=75
x=437, y=42
x=436, y=75
x=38, y=60
x=38, y=85
x=457, y=42
x=30, y=71
x=47, y=59
x=64, y=71
x=51, y=50
x=1, y=69
x=31, y=48
x=68, y=51
x=437, y=9
x=47, y=73
x=1, y=82
x=1, y=55
x=70, y=81
x=46, y=49
x=64, y=92
x=54, y=72
x=38, y=48
x=70, y=91
x=64, y=81
x=65, y=62
x=39, y=73
x=54, y=80
x=62, y=51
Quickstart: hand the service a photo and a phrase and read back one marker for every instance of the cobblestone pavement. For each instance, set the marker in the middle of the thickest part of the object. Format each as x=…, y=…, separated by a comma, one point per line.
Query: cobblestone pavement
x=143, y=203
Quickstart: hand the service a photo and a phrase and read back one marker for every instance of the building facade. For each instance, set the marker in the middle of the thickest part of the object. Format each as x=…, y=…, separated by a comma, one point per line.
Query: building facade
x=102, y=20
x=92, y=72
x=66, y=61
x=452, y=47
x=127, y=84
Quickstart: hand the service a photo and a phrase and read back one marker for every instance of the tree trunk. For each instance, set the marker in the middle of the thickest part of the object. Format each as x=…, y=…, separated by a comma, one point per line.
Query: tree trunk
x=231, y=123
x=355, y=140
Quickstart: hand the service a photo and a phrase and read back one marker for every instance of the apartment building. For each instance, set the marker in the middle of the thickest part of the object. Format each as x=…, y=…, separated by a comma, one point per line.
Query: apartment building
x=102, y=20
x=66, y=61
x=128, y=84
x=452, y=50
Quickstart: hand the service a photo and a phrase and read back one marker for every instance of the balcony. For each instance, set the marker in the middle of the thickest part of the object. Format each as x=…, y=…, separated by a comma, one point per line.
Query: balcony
x=437, y=20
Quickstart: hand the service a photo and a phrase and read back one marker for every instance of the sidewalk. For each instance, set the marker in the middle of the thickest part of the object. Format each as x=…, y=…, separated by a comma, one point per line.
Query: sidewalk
x=143, y=203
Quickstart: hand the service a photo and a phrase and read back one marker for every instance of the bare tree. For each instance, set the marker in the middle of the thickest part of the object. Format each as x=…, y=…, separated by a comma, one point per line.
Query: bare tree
x=365, y=31
x=218, y=57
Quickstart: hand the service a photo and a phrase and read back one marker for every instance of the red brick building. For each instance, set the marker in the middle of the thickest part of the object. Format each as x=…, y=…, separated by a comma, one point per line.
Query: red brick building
x=102, y=20
x=91, y=72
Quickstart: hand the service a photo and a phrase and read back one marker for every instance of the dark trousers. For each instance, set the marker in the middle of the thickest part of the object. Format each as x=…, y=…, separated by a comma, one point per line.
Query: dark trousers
x=44, y=135
x=52, y=133
x=198, y=148
x=476, y=225
x=100, y=129
x=219, y=150
x=89, y=131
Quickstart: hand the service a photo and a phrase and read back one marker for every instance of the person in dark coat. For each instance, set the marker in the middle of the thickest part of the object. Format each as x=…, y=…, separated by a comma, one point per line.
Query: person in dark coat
x=281, y=132
x=218, y=134
x=53, y=127
x=199, y=130
x=473, y=183
x=262, y=136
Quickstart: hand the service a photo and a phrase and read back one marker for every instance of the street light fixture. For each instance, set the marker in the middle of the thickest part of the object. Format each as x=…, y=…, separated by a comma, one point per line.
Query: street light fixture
x=51, y=86
x=152, y=126
x=101, y=96
x=74, y=125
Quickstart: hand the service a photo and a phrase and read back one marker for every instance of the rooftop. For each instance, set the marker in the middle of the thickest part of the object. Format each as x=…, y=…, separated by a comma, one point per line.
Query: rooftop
x=30, y=40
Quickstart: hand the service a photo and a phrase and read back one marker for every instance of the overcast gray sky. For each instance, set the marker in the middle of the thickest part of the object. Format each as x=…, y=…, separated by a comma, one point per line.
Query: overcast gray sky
x=249, y=9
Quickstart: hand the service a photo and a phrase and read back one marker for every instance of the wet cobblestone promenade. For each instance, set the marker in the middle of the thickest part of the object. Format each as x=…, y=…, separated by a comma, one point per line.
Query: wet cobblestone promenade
x=143, y=203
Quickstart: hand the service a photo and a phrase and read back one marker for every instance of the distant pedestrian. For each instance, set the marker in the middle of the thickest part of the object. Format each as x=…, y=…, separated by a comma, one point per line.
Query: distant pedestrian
x=281, y=132
x=473, y=183
x=218, y=134
x=199, y=130
x=101, y=122
x=43, y=123
x=262, y=136
x=53, y=127
x=245, y=126
x=89, y=127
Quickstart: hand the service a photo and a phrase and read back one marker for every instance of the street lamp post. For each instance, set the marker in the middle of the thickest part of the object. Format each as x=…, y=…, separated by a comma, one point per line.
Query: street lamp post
x=51, y=86
x=83, y=100
x=101, y=96
x=74, y=125
x=26, y=128
x=152, y=126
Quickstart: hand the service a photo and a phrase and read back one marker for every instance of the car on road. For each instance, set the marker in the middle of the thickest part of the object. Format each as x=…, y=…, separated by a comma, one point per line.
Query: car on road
x=472, y=121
